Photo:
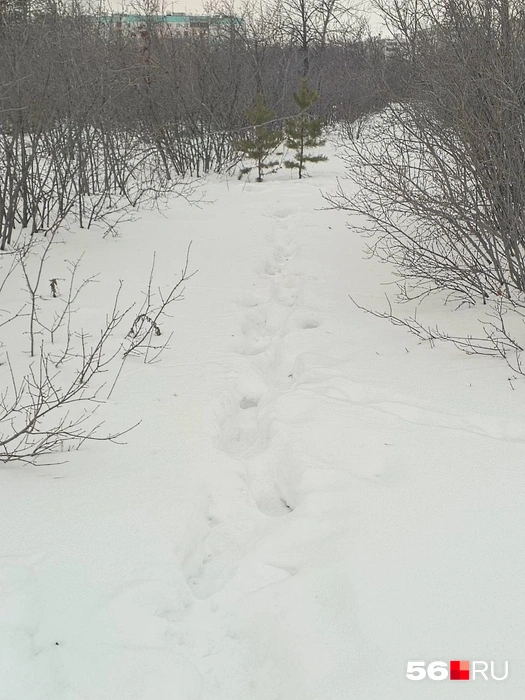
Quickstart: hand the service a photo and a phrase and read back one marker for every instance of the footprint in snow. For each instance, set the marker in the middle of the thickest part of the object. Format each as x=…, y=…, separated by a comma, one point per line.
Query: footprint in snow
x=248, y=402
x=250, y=300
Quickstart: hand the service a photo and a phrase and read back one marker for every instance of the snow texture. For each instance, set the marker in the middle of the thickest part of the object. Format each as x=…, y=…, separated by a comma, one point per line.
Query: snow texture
x=312, y=499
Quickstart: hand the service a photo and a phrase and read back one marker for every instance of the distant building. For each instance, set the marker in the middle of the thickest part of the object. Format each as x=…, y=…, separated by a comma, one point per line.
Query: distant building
x=392, y=48
x=386, y=48
x=178, y=24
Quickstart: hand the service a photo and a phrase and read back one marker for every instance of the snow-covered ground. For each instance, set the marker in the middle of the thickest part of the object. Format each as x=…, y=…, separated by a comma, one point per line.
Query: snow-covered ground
x=312, y=499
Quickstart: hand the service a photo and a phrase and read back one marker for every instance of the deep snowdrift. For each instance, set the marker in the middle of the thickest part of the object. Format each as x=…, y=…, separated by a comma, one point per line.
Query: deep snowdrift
x=311, y=500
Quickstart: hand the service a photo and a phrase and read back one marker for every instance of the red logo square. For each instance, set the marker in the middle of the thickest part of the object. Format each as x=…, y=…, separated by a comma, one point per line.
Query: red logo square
x=460, y=670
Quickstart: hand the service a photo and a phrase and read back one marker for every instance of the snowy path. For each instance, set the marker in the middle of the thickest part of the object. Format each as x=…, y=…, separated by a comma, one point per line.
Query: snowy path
x=311, y=500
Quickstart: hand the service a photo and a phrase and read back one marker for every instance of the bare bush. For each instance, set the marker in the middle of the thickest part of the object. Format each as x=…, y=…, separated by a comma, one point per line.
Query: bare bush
x=440, y=171
x=146, y=325
x=46, y=410
x=50, y=394
x=441, y=174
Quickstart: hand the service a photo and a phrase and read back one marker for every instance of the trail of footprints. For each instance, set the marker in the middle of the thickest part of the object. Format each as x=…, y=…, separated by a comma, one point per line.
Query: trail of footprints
x=245, y=413
x=246, y=416
x=245, y=424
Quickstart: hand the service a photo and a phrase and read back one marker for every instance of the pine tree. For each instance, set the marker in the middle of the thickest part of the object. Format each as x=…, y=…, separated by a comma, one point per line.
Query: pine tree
x=303, y=131
x=263, y=140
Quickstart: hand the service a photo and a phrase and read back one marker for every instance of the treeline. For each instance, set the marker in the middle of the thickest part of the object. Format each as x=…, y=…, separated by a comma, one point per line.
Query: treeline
x=94, y=115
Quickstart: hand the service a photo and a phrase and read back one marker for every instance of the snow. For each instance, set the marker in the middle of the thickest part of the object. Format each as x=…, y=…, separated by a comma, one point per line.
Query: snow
x=312, y=499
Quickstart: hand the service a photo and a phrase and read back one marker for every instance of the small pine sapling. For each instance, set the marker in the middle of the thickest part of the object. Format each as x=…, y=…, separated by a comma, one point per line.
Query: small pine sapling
x=303, y=131
x=263, y=140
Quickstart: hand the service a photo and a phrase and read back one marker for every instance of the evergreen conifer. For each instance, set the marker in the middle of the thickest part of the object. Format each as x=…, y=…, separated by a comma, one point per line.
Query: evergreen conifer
x=303, y=131
x=263, y=140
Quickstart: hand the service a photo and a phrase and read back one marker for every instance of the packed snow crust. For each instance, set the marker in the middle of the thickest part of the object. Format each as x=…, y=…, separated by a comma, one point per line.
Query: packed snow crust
x=312, y=499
